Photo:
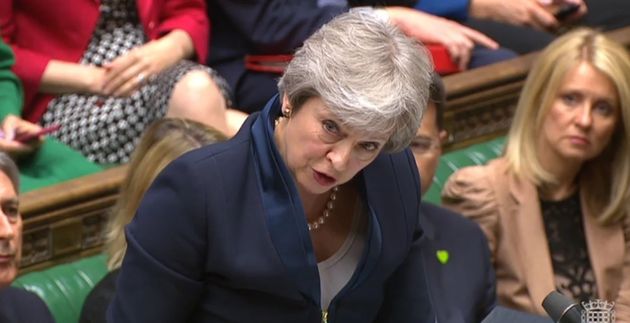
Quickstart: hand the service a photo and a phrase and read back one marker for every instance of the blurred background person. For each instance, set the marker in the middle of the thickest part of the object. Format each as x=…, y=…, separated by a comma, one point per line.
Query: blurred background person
x=529, y=25
x=522, y=25
x=16, y=305
x=560, y=193
x=455, y=250
x=281, y=27
x=10, y=102
x=310, y=213
x=42, y=161
x=163, y=141
x=104, y=70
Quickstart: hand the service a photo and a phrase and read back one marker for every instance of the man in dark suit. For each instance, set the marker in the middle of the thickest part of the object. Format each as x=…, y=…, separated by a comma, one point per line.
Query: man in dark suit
x=455, y=252
x=16, y=305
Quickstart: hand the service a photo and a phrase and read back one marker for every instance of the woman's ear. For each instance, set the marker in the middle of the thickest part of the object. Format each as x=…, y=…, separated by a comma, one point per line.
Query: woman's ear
x=286, y=106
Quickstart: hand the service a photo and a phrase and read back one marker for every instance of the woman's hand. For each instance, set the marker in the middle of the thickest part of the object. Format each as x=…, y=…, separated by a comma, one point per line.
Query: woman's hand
x=459, y=40
x=127, y=73
x=64, y=77
x=12, y=127
x=538, y=14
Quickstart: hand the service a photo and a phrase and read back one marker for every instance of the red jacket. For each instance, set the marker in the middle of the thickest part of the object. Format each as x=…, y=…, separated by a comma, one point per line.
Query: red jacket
x=41, y=30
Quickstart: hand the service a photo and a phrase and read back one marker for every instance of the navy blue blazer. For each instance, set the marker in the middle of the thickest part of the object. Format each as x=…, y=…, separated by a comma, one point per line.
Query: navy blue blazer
x=464, y=276
x=221, y=236
x=20, y=306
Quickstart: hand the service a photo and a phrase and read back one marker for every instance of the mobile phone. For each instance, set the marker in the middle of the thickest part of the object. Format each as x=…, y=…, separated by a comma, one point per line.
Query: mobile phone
x=24, y=138
x=566, y=10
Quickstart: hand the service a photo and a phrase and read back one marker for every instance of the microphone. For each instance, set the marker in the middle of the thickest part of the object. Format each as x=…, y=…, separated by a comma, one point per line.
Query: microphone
x=561, y=309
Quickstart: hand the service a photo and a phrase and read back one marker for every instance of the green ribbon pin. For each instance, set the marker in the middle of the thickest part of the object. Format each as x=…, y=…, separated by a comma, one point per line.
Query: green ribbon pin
x=442, y=256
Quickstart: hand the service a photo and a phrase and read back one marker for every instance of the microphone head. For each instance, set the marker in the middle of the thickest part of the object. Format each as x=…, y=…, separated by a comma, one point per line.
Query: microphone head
x=561, y=309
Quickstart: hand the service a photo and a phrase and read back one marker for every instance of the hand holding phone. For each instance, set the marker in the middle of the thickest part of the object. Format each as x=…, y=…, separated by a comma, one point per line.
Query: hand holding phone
x=25, y=138
x=566, y=10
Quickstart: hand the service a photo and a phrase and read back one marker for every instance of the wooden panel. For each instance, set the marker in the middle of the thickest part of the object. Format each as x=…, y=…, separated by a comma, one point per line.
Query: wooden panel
x=64, y=221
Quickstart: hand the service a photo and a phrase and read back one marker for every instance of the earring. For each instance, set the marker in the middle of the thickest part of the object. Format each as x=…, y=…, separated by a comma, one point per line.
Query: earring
x=286, y=113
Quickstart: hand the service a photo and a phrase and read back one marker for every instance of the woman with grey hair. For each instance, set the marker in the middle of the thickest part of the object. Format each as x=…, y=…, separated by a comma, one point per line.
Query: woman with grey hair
x=310, y=213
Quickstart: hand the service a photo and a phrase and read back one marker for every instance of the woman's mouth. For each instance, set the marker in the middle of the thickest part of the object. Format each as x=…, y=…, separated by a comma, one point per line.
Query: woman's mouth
x=323, y=179
x=579, y=140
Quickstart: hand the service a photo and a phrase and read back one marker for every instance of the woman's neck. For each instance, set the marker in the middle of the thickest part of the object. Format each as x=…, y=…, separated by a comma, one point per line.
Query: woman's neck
x=313, y=204
x=565, y=173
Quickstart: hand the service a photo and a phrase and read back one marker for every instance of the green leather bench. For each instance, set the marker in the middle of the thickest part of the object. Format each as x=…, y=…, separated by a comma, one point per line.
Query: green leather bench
x=65, y=287
x=478, y=154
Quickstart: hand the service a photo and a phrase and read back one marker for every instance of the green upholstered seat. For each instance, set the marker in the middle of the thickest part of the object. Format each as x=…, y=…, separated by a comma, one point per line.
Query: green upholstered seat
x=478, y=154
x=53, y=163
x=65, y=287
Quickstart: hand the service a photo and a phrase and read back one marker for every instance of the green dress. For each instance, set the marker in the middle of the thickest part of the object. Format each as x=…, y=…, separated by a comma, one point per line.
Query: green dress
x=53, y=162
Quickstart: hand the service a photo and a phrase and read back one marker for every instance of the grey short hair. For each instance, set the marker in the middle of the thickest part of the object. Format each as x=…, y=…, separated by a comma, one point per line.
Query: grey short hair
x=372, y=77
x=8, y=167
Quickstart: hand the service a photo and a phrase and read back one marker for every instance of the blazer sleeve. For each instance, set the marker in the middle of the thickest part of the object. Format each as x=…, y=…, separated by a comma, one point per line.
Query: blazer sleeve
x=189, y=16
x=622, y=303
x=407, y=297
x=29, y=65
x=161, y=277
x=10, y=87
x=452, y=9
x=469, y=191
x=277, y=26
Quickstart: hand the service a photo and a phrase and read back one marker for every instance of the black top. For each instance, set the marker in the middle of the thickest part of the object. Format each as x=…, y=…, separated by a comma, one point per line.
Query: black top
x=567, y=246
x=95, y=306
x=18, y=306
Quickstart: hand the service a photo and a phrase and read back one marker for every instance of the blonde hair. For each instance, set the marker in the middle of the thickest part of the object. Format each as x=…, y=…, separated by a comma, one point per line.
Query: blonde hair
x=162, y=142
x=607, y=195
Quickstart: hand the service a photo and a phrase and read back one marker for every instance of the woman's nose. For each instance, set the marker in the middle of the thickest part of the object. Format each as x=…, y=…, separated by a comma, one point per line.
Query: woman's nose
x=339, y=155
x=584, y=118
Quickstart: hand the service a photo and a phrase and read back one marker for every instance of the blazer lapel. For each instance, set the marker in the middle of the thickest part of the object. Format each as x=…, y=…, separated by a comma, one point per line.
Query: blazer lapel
x=282, y=207
x=605, y=246
x=532, y=242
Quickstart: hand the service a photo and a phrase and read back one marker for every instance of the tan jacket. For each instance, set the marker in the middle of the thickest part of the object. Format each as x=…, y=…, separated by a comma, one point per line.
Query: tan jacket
x=508, y=211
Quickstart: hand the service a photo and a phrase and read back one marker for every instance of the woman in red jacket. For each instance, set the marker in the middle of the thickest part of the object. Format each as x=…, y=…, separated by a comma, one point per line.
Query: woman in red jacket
x=104, y=69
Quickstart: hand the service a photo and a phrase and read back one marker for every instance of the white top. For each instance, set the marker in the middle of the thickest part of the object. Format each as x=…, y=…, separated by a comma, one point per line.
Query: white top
x=336, y=271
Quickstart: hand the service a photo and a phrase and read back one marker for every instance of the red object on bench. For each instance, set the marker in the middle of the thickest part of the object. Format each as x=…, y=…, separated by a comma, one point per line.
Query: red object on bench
x=276, y=63
x=442, y=60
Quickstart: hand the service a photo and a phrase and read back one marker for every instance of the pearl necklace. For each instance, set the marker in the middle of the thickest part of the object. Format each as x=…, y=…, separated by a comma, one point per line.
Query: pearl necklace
x=314, y=225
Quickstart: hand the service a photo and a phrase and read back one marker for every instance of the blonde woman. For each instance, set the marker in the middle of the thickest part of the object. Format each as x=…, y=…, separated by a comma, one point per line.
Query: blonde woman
x=555, y=206
x=164, y=140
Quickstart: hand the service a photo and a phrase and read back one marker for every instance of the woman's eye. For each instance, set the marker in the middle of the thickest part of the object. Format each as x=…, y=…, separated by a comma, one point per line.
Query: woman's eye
x=369, y=146
x=330, y=126
x=570, y=99
x=604, y=109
